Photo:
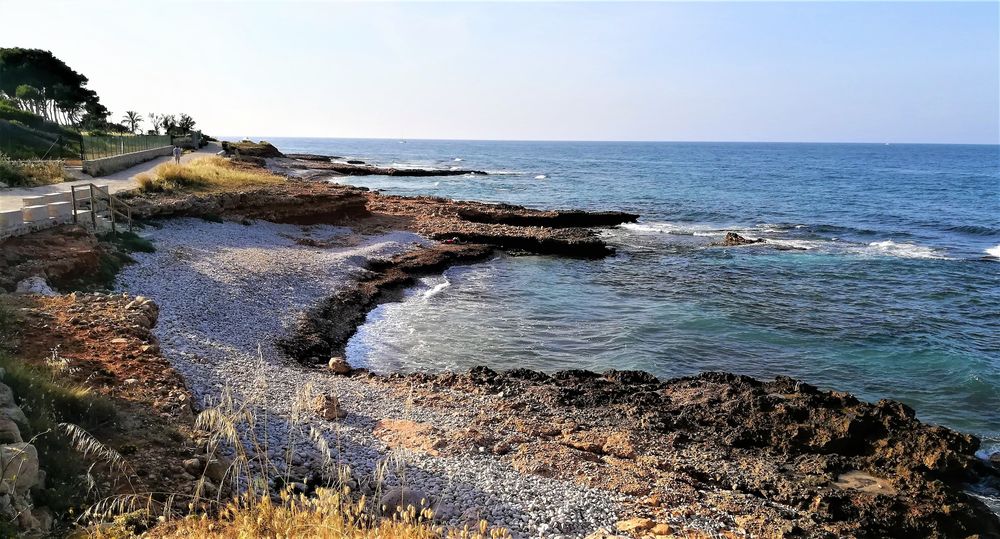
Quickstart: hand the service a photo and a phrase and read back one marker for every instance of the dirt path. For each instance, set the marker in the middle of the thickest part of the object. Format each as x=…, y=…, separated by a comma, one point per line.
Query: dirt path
x=10, y=198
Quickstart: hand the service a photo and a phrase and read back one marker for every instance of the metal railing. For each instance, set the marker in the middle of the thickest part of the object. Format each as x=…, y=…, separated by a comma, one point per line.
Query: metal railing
x=100, y=200
x=98, y=146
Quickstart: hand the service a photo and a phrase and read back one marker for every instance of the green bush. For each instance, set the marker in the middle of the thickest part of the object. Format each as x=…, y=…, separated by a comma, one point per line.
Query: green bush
x=7, y=112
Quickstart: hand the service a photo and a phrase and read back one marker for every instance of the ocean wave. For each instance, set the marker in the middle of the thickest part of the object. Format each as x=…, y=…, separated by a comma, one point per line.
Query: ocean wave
x=902, y=250
x=656, y=227
x=505, y=172
x=436, y=289
x=974, y=230
x=994, y=251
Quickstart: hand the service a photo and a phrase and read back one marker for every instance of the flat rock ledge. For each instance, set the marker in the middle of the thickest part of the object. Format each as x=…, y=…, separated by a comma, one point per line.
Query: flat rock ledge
x=312, y=165
x=770, y=459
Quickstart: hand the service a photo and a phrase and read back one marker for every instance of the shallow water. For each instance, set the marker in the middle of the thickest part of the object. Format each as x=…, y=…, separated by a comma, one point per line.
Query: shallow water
x=892, y=289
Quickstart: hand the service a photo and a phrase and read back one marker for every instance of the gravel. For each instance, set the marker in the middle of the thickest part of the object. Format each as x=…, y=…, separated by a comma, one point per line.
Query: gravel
x=226, y=291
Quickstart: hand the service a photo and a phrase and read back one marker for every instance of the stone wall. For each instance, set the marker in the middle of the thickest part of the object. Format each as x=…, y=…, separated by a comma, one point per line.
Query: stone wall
x=109, y=165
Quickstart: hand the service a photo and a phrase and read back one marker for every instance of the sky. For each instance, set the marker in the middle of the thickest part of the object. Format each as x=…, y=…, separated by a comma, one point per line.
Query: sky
x=802, y=72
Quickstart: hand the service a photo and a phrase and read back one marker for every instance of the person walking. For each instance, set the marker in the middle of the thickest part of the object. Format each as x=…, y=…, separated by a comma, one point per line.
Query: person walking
x=177, y=155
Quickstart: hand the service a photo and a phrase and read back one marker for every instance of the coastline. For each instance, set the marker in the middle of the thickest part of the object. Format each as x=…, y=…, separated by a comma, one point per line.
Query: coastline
x=727, y=452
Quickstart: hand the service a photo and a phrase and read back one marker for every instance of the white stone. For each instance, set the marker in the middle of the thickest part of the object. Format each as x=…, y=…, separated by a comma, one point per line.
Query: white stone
x=60, y=210
x=11, y=219
x=34, y=285
x=35, y=214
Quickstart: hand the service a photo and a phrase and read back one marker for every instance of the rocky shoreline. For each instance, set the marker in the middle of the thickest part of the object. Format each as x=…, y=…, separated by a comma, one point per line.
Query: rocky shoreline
x=266, y=284
x=774, y=458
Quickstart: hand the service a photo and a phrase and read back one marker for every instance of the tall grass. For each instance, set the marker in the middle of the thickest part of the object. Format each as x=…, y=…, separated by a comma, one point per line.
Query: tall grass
x=212, y=173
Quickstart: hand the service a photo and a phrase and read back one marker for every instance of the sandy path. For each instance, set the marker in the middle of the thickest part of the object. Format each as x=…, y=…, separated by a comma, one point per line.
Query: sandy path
x=10, y=197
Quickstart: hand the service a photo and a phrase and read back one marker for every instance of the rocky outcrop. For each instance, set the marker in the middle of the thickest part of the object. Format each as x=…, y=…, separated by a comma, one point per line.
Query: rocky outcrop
x=295, y=202
x=58, y=255
x=312, y=157
x=476, y=222
x=733, y=239
x=506, y=214
x=774, y=458
x=324, y=331
x=247, y=148
x=359, y=168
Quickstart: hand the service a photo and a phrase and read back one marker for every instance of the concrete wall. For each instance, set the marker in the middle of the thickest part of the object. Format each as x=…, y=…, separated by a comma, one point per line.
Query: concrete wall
x=109, y=165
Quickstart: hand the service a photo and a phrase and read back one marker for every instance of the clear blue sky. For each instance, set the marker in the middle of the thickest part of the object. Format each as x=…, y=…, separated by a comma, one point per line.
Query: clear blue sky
x=899, y=72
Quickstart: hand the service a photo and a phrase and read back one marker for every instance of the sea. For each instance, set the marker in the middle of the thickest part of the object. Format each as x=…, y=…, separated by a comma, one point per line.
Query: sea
x=880, y=275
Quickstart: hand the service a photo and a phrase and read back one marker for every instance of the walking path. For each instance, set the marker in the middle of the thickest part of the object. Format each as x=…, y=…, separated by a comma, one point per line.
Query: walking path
x=10, y=198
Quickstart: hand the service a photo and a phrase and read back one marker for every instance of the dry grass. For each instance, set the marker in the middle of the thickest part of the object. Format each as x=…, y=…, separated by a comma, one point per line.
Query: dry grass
x=249, y=502
x=329, y=514
x=212, y=173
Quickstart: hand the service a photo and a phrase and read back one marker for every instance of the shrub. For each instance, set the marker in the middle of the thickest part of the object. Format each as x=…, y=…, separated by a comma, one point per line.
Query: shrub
x=30, y=173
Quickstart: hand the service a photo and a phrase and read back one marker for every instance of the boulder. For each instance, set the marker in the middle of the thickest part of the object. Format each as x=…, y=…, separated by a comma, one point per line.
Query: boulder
x=329, y=408
x=34, y=285
x=216, y=469
x=9, y=432
x=339, y=365
x=401, y=498
x=19, y=464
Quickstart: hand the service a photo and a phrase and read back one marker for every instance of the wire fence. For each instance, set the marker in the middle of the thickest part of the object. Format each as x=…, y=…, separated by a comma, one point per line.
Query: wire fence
x=96, y=147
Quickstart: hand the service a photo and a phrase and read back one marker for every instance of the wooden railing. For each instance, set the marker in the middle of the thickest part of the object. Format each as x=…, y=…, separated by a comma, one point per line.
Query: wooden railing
x=116, y=210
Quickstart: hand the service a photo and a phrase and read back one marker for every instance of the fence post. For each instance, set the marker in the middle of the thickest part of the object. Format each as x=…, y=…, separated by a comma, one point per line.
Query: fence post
x=93, y=209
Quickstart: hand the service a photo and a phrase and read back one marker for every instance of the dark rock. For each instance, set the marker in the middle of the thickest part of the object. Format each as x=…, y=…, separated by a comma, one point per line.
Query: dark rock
x=251, y=149
x=733, y=239
x=311, y=157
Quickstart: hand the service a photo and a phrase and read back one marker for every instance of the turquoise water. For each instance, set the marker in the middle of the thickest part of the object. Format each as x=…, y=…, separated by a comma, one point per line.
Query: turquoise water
x=893, y=289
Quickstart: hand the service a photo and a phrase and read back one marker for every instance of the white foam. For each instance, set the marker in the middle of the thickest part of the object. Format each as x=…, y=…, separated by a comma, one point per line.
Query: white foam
x=437, y=289
x=457, y=159
x=541, y=177
x=655, y=227
x=994, y=251
x=902, y=250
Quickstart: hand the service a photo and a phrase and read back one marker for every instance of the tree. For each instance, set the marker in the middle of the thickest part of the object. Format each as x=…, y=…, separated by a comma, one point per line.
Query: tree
x=185, y=123
x=154, y=122
x=169, y=124
x=47, y=86
x=132, y=120
x=95, y=116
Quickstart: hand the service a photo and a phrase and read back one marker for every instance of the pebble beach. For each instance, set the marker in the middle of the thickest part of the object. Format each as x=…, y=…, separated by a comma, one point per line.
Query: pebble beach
x=226, y=292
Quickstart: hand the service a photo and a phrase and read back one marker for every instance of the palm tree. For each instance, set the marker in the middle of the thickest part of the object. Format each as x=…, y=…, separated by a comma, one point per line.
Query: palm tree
x=132, y=120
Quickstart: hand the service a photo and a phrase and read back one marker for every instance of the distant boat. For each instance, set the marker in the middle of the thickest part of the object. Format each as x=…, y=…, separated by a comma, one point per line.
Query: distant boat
x=402, y=142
